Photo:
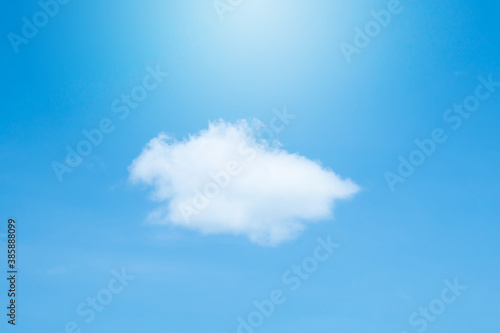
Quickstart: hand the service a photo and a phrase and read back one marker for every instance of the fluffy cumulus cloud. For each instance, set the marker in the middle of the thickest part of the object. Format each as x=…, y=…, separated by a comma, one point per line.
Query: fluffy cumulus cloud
x=226, y=180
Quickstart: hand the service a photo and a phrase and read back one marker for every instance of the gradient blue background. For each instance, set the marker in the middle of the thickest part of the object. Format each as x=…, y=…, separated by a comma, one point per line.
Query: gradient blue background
x=397, y=248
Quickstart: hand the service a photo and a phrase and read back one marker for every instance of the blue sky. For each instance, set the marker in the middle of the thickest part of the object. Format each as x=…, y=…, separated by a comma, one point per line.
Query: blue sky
x=398, y=246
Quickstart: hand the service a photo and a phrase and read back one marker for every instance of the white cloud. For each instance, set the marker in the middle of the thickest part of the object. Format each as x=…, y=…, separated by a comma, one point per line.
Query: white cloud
x=224, y=180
